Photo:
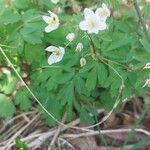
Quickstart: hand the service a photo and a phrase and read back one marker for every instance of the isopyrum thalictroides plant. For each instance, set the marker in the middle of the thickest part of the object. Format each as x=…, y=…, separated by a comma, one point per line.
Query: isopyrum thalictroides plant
x=73, y=63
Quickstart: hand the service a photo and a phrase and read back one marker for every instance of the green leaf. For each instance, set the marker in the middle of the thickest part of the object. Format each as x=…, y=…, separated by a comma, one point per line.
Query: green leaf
x=31, y=15
x=96, y=41
x=145, y=44
x=34, y=53
x=63, y=77
x=102, y=73
x=66, y=94
x=15, y=40
x=79, y=84
x=54, y=107
x=10, y=85
x=85, y=117
x=21, y=4
x=21, y=145
x=32, y=33
x=51, y=84
x=132, y=76
x=9, y=16
x=57, y=36
x=23, y=100
x=91, y=79
x=115, y=82
x=120, y=41
x=7, y=108
x=107, y=101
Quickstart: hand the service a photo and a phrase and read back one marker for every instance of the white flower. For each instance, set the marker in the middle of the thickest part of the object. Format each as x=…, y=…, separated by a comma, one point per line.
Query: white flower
x=79, y=47
x=103, y=12
x=57, y=54
x=124, y=2
x=147, y=82
x=82, y=62
x=70, y=37
x=92, y=22
x=52, y=21
x=147, y=66
x=55, y=1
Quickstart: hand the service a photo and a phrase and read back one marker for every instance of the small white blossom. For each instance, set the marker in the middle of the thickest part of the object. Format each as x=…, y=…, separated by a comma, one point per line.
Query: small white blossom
x=92, y=22
x=147, y=26
x=124, y=2
x=57, y=54
x=147, y=66
x=148, y=1
x=70, y=37
x=55, y=1
x=5, y=70
x=79, y=47
x=52, y=21
x=147, y=82
x=103, y=12
x=82, y=62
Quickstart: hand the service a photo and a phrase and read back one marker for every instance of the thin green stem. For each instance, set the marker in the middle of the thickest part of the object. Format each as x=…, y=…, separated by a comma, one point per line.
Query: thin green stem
x=2, y=45
x=93, y=50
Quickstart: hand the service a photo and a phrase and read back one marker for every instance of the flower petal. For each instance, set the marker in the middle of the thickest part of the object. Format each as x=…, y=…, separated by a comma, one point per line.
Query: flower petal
x=52, y=14
x=102, y=26
x=46, y=19
x=52, y=49
x=50, y=28
x=54, y=58
x=88, y=13
x=83, y=25
x=62, y=50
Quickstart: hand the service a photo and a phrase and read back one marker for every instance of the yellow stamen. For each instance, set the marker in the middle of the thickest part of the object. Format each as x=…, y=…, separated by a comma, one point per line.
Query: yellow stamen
x=53, y=21
x=92, y=24
x=104, y=13
x=58, y=53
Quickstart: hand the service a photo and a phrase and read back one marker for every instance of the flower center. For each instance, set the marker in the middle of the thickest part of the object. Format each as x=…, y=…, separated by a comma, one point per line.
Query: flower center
x=53, y=21
x=104, y=13
x=92, y=24
x=57, y=53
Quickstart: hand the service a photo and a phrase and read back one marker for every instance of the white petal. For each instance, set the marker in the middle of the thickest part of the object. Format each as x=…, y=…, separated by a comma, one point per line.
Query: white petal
x=88, y=13
x=104, y=5
x=51, y=28
x=103, y=12
x=102, y=25
x=70, y=37
x=98, y=11
x=93, y=31
x=51, y=59
x=55, y=1
x=79, y=47
x=52, y=49
x=147, y=66
x=46, y=19
x=83, y=25
x=62, y=50
x=53, y=15
x=54, y=59
x=105, y=8
x=82, y=62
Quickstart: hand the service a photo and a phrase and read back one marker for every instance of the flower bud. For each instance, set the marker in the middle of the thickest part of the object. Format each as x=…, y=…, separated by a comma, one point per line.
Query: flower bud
x=79, y=47
x=70, y=37
x=82, y=62
x=147, y=66
x=55, y=1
